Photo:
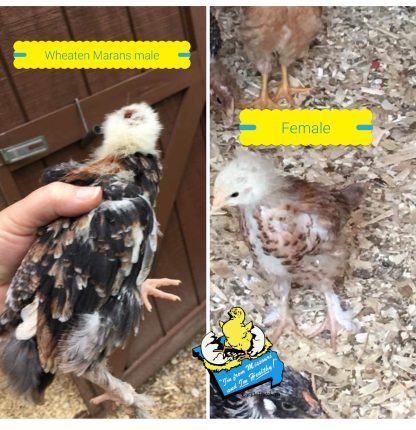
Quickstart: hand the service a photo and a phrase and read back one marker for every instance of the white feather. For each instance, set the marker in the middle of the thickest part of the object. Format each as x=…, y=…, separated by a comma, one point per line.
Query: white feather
x=138, y=239
x=29, y=314
x=131, y=129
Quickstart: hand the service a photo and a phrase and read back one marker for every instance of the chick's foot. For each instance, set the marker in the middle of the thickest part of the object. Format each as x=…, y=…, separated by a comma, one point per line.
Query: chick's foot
x=285, y=91
x=286, y=324
x=264, y=100
x=336, y=319
x=150, y=288
x=118, y=391
x=243, y=357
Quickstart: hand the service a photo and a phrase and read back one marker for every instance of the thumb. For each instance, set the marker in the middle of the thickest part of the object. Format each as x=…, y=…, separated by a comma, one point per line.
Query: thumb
x=49, y=203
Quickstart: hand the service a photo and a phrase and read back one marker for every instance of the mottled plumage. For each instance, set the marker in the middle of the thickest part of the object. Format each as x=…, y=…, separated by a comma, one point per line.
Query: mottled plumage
x=294, y=228
x=76, y=295
x=292, y=398
x=283, y=31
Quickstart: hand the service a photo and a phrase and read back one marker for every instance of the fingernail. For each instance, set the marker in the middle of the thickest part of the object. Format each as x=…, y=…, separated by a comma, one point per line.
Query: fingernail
x=88, y=193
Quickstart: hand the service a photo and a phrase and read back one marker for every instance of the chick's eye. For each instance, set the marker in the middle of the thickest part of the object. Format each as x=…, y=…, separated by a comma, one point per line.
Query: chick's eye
x=288, y=407
x=235, y=194
x=219, y=101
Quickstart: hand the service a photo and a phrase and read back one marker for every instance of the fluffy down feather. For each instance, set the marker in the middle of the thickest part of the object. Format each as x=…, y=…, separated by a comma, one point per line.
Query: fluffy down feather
x=134, y=128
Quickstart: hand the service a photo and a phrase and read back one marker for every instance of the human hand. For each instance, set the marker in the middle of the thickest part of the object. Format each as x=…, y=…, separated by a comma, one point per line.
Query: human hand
x=20, y=222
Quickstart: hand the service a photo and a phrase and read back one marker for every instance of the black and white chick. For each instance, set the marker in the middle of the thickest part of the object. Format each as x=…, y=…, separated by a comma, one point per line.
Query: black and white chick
x=292, y=398
x=80, y=290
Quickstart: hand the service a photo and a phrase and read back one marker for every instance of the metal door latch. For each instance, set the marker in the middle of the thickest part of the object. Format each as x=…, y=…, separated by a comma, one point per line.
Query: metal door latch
x=91, y=133
x=28, y=148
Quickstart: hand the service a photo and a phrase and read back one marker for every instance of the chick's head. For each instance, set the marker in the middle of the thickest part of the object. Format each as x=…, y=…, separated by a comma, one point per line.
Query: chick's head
x=292, y=398
x=244, y=181
x=224, y=93
x=237, y=313
x=131, y=129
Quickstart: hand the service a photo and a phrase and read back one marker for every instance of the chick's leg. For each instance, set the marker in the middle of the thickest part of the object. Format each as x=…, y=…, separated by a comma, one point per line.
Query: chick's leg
x=263, y=101
x=284, y=315
x=285, y=91
x=150, y=288
x=118, y=391
x=336, y=318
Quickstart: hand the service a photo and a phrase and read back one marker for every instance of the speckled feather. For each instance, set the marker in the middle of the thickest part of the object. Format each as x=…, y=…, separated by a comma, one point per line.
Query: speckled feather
x=302, y=223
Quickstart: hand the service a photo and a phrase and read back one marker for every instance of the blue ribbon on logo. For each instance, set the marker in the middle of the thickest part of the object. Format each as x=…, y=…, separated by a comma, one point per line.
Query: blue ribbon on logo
x=251, y=372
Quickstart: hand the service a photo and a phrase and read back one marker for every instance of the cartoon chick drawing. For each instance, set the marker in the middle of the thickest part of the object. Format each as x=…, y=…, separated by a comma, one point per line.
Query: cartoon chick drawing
x=238, y=336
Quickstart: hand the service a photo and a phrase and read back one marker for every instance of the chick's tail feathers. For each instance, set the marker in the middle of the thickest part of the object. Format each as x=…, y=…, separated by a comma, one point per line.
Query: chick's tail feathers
x=21, y=368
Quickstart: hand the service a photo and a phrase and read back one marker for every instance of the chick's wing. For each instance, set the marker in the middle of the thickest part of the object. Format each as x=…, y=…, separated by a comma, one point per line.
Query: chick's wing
x=78, y=264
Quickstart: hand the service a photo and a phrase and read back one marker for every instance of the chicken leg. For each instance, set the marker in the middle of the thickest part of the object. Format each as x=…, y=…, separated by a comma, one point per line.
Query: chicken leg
x=285, y=91
x=335, y=320
x=264, y=101
x=286, y=321
x=150, y=288
x=118, y=391
x=243, y=357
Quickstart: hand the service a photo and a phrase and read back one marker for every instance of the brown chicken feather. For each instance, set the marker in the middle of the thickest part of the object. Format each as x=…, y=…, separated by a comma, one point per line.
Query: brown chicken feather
x=284, y=31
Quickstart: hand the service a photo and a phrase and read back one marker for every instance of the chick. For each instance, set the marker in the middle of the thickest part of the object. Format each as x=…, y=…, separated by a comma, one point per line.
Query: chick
x=292, y=398
x=295, y=229
x=238, y=335
x=284, y=31
x=80, y=290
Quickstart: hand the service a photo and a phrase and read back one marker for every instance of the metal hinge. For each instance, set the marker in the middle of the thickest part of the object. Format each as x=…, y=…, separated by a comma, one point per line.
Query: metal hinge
x=23, y=150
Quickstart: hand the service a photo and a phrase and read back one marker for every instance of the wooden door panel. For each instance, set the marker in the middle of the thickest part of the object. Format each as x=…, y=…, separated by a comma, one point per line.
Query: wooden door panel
x=71, y=152
x=164, y=267
x=28, y=178
x=191, y=211
x=102, y=23
x=157, y=23
x=11, y=114
x=51, y=89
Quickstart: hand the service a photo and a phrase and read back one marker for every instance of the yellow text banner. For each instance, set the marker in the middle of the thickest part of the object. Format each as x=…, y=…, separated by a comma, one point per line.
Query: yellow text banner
x=102, y=55
x=306, y=127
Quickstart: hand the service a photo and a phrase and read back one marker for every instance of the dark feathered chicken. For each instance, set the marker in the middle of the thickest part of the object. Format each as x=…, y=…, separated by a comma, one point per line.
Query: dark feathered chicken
x=292, y=398
x=222, y=85
x=78, y=293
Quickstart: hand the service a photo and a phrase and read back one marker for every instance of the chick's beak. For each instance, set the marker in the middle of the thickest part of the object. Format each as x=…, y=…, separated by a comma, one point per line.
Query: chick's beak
x=218, y=203
x=315, y=407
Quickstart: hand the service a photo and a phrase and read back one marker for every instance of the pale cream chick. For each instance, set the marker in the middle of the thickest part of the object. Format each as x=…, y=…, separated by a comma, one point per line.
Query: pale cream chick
x=295, y=230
